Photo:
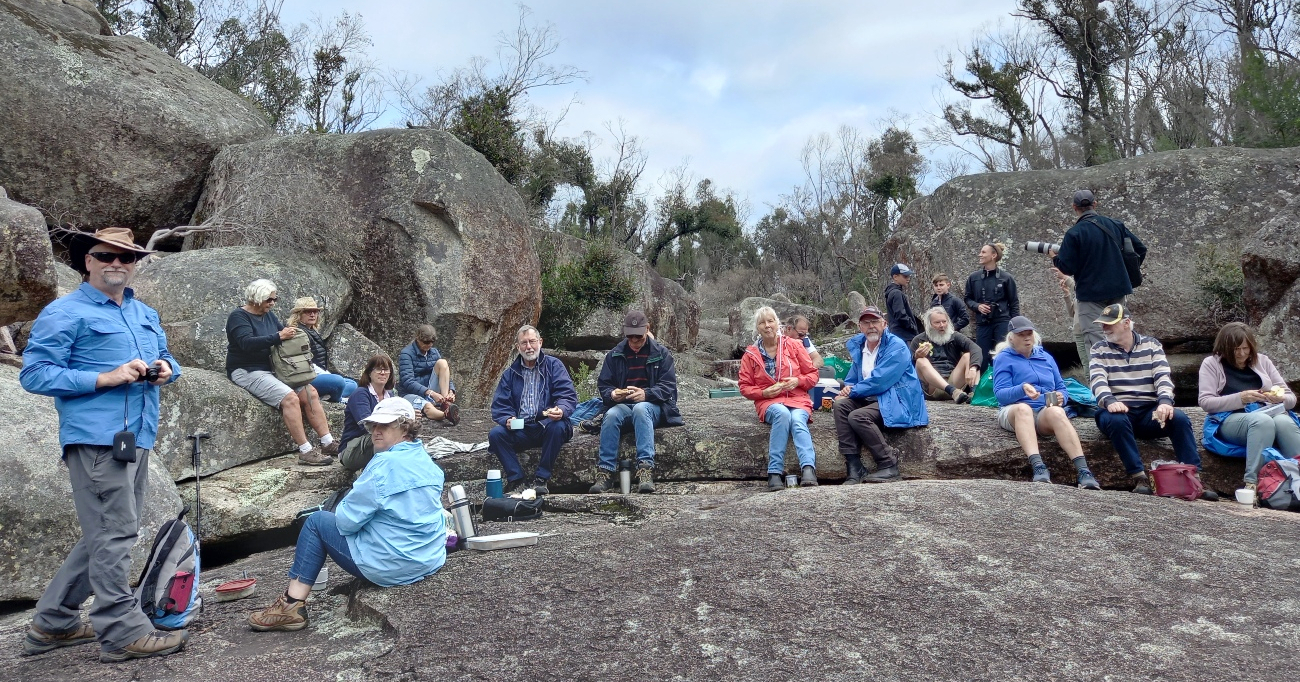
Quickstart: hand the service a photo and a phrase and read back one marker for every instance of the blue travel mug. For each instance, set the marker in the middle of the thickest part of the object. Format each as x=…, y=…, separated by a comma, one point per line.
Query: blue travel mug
x=494, y=488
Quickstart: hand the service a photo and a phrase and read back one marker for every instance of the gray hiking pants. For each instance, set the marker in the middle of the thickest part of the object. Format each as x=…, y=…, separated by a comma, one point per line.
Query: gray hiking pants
x=109, y=497
x=1086, y=326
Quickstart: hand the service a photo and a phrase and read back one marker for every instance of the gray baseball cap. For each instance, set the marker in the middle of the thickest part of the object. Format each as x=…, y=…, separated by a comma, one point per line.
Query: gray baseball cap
x=1083, y=198
x=1020, y=323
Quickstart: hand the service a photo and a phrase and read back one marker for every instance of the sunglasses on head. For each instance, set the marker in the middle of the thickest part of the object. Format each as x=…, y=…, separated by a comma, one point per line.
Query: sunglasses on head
x=107, y=257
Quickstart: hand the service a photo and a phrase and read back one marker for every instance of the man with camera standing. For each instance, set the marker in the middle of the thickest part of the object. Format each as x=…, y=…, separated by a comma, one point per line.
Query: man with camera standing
x=101, y=354
x=1093, y=254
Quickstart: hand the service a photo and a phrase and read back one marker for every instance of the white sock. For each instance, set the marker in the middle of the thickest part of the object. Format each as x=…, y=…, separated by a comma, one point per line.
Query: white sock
x=305, y=448
x=326, y=439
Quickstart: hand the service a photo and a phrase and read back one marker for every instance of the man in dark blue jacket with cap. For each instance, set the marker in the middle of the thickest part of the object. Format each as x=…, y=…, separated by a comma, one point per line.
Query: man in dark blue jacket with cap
x=1092, y=252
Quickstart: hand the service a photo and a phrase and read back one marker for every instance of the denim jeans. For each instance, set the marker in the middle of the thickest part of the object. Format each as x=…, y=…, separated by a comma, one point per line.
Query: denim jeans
x=320, y=536
x=644, y=416
x=787, y=423
x=550, y=436
x=1258, y=431
x=333, y=387
x=1124, y=428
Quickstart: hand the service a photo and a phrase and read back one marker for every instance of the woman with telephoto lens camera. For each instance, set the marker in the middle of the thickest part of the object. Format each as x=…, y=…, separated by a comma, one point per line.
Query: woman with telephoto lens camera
x=991, y=294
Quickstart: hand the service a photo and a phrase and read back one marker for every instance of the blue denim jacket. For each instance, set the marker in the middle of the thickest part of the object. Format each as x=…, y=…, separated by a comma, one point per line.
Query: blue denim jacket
x=392, y=518
x=75, y=339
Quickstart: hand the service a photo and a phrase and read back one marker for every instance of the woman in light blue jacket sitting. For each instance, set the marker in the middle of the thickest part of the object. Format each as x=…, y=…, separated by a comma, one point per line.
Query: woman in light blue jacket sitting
x=389, y=529
x=1029, y=387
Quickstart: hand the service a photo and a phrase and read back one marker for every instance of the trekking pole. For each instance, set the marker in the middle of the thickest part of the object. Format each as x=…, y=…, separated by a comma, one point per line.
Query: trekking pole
x=198, y=505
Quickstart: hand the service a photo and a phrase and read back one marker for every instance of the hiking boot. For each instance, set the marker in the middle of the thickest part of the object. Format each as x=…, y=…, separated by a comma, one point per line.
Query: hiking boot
x=775, y=482
x=645, y=480
x=854, y=470
x=156, y=643
x=883, y=474
x=539, y=486
x=451, y=413
x=960, y=397
x=1141, y=484
x=331, y=450
x=1087, y=481
x=1041, y=474
x=315, y=458
x=606, y=481
x=592, y=425
x=280, y=615
x=38, y=641
x=515, y=487
x=809, y=477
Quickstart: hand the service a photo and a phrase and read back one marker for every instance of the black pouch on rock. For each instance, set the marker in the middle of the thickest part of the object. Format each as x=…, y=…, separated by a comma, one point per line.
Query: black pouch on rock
x=511, y=509
x=124, y=446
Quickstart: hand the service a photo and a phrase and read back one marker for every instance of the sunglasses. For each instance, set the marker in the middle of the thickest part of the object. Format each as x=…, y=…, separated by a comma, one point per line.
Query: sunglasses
x=273, y=299
x=107, y=257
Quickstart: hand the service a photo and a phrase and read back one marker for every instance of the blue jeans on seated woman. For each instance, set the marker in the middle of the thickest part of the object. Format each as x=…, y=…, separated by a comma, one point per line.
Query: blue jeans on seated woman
x=333, y=387
x=319, y=537
x=787, y=423
x=644, y=417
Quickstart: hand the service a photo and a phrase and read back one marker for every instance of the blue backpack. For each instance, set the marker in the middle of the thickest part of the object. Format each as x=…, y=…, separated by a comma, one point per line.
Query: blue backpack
x=169, y=585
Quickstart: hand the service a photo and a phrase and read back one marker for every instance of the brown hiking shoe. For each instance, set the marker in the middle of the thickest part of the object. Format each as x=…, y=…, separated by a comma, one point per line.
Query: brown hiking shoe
x=280, y=616
x=38, y=641
x=331, y=450
x=314, y=458
x=156, y=643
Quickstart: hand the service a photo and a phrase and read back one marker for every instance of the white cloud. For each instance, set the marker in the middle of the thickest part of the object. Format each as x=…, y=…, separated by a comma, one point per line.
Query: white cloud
x=737, y=87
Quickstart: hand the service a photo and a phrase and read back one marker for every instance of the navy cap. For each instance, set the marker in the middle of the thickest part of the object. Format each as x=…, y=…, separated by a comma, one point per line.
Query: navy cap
x=900, y=269
x=1020, y=323
x=1084, y=198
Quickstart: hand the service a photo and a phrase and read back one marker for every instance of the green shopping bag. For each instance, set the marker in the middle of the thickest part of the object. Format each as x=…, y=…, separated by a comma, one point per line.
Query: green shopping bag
x=984, y=391
x=841, y=366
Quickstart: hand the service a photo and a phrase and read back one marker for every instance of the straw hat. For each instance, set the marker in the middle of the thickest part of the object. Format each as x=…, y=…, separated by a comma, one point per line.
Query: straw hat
x=304, y=304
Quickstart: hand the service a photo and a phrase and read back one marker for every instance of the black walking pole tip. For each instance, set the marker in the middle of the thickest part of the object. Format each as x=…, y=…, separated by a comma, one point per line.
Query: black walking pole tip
x=200, y=434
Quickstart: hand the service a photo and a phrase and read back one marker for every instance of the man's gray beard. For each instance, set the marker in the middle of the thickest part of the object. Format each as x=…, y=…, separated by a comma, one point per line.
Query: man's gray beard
x=939, y=339
x=873, y=338
x=530, y=356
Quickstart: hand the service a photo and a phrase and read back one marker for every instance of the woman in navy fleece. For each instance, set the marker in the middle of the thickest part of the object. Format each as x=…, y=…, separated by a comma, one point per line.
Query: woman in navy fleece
x=356, y=448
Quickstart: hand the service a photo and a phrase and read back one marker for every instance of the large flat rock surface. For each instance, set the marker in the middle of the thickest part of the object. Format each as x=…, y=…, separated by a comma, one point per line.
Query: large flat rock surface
x=904, y=581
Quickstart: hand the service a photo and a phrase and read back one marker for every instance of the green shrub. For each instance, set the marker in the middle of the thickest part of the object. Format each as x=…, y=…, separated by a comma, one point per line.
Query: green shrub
x=584, y=382
x=572, y=291
x=1220, y=283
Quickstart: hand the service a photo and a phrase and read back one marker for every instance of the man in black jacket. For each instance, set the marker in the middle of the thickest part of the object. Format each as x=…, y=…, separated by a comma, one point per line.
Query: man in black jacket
x=639, y=383
x=902, y=321
x=1092, y=253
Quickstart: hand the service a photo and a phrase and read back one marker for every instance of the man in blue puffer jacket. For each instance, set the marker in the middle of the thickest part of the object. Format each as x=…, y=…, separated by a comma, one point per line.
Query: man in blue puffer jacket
x=531, y=408
x=881, y=389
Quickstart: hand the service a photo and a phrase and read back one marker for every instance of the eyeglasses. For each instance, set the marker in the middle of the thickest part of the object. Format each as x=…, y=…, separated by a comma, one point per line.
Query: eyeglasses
x=107, y=257
x=273, y=299
x=802, y=335
x=636, y=337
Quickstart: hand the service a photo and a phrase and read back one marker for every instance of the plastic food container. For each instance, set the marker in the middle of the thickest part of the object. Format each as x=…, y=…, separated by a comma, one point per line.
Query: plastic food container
x=486, y=543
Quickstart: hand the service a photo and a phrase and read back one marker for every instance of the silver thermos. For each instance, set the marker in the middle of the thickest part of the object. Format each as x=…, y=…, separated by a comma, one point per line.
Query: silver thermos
x=461, y=513
x=625, y=477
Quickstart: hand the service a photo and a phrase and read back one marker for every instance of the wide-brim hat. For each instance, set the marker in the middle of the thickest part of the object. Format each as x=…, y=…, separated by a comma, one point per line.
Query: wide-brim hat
x=83, y=242
x=304, y=304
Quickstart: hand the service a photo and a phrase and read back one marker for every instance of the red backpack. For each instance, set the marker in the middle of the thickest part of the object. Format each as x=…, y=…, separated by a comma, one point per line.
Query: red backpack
x=1279, y=485
x=1177, y=480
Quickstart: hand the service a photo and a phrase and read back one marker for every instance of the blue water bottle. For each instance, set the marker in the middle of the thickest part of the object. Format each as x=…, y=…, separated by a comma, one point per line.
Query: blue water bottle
x=494, y=488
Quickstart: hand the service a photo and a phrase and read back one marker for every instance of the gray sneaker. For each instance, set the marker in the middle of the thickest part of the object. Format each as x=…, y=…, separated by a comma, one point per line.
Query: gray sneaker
x=1087, y=481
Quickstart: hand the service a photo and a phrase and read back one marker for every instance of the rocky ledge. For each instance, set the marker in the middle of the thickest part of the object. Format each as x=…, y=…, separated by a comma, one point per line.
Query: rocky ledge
x=911, y=580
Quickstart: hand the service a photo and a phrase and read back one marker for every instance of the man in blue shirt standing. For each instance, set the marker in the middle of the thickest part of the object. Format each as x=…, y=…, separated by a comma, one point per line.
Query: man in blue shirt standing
x=101, y=355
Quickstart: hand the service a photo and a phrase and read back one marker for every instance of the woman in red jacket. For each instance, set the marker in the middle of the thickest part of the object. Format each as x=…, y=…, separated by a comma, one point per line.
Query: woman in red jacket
x=776, y=374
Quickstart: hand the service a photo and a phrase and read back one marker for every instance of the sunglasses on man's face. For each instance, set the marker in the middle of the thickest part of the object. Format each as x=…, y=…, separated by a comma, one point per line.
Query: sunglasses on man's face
x=107, y=257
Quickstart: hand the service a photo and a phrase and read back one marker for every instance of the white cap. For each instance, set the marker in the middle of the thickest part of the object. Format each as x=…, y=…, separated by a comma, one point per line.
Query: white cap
x=390, y=410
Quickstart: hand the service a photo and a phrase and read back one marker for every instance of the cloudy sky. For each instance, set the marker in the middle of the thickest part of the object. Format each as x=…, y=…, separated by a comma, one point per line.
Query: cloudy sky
x=733, y=88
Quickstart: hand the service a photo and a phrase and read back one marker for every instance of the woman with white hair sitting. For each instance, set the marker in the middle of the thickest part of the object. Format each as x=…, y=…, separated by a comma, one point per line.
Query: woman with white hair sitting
x=1032, y=395
x=252, y=330
x=776, y=373
x=389, y=529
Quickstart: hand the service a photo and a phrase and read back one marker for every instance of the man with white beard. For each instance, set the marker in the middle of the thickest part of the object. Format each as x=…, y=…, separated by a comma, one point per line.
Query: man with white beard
x=939, y=352
x=881, y=390
x=531, y=408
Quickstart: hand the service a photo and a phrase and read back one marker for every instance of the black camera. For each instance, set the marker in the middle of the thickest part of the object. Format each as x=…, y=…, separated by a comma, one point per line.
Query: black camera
x=150, y=374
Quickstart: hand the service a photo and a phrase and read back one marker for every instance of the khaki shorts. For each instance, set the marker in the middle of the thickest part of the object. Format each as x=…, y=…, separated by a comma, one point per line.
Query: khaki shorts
x=263, y=385
x=1004, y=418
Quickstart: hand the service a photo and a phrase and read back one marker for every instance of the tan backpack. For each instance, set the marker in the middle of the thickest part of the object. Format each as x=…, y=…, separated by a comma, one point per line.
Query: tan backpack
x=292, y=361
